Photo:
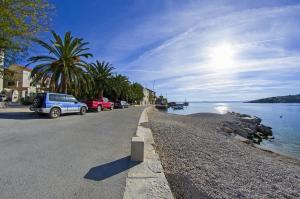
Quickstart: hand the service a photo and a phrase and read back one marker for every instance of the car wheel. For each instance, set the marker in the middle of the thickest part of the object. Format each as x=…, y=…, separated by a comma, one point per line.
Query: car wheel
x=112, y=107
x=99, y=109
x=54, y=113
x=83, y=110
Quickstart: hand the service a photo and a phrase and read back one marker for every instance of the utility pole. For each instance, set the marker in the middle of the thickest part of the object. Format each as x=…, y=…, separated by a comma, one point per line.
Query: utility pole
x=153, y=85
x=1, y=68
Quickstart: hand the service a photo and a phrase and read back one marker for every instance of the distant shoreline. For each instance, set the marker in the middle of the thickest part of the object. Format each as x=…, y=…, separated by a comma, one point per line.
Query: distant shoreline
x=279, y=99
x=243, y=102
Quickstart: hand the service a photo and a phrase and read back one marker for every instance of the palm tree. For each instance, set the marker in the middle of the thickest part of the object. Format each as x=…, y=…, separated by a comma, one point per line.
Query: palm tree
x=100, y=72
x=63, y=69
x=120, y=86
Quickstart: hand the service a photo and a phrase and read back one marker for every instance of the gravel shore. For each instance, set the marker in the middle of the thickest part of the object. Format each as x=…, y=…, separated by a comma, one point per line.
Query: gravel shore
x=200, y=161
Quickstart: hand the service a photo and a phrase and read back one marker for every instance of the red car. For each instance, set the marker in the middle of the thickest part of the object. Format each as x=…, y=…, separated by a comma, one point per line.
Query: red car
x=99, y=105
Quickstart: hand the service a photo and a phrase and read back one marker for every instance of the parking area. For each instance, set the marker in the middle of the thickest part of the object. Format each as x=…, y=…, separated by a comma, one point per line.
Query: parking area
x=73, y=156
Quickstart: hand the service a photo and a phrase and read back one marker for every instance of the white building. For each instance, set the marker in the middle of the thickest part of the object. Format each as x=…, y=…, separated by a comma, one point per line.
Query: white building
x=19, y=85
x=149, y=97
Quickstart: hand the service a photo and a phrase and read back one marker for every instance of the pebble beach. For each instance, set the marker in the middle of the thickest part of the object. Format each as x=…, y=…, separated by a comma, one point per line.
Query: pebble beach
x=200, y=160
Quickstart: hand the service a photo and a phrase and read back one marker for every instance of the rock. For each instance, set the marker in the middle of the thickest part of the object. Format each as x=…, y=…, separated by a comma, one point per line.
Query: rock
x=252, y=120
x=258, y=120
x=264, y=129
x=227, y=129
x=244, y=115
x=243, y=133
x=259, y=134
x=242, y=139
x=250, y=131
x=258, y=137
x=256, y=140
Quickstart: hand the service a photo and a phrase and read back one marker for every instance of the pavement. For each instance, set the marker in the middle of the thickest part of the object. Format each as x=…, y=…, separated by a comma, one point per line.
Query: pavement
x=147, y=179
x=70, y=157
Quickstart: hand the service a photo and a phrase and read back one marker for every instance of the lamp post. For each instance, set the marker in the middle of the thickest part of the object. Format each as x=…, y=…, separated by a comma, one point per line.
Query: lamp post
x=1, y=69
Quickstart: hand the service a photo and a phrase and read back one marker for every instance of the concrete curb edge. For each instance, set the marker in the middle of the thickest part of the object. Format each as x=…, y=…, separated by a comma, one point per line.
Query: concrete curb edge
x=147, y=179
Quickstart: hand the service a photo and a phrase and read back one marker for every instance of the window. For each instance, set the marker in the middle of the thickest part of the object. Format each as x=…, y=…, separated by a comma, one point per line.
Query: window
x=57, y=97
x=11, y=83
x=105, y=99
x=71, y=98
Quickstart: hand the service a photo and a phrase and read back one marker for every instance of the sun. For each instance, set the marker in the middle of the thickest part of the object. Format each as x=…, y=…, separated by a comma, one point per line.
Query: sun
x=221, y=56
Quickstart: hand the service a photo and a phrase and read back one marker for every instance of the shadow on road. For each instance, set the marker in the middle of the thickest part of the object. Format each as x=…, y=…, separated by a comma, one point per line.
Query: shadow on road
x=20, y=116
x=110, y=169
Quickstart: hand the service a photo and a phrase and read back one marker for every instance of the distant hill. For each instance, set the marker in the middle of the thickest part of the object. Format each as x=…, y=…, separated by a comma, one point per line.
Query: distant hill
x=278, y=99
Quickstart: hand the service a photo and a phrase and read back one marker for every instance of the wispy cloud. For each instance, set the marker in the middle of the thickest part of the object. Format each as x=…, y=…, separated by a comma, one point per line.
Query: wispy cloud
x=173, y=49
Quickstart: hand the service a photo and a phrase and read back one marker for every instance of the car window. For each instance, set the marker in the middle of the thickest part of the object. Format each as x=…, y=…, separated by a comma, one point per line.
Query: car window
x=57, y=97
x=105, y=99
x=71, y=98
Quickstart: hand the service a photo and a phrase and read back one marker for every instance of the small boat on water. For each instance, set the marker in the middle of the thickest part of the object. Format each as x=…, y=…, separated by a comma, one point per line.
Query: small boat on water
x=161, y=103
x=178, y=107
x=161, y=106
x=185, y=103
x=171, y=104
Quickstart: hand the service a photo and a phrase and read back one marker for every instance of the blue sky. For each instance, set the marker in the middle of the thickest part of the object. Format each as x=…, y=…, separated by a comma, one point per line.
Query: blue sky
x=199, y=50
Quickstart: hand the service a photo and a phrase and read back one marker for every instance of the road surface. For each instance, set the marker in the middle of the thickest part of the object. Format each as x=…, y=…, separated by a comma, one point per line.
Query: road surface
x=70, y=157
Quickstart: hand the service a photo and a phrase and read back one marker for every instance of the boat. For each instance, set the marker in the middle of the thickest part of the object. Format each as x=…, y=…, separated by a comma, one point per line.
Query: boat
x=171, y=104
x=185, y=103
x=161, y=106
x=178, y=107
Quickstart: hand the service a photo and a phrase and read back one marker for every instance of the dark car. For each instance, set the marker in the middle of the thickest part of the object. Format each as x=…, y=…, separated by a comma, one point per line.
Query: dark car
x=121, y=104
x=2, y=98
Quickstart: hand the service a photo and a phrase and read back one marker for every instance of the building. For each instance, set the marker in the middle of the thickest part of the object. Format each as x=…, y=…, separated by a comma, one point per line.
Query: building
x=18, y=84
x=149, y=97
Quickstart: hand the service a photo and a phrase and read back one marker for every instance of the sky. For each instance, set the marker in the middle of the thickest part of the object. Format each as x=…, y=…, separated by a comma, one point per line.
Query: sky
x=193, y=50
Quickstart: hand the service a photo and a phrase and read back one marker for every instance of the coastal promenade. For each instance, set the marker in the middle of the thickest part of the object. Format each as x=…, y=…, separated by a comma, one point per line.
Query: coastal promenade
x=69, y=157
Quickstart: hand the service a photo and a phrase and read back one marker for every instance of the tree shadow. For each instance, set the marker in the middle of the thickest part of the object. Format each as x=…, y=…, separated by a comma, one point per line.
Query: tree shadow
x=110, y=169
x=20, y=116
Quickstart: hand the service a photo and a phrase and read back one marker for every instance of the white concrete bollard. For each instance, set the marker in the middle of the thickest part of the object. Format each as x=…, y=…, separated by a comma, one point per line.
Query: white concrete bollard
x=137, y=149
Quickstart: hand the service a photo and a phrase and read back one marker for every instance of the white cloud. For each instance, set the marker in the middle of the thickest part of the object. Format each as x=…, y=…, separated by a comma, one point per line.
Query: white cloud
x=179, y=59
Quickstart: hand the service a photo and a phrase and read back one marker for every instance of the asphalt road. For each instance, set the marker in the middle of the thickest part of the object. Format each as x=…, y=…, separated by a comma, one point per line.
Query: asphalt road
x=70, y=157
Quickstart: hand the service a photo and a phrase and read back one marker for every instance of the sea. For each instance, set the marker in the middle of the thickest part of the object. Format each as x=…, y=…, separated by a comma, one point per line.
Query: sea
x=284, y=118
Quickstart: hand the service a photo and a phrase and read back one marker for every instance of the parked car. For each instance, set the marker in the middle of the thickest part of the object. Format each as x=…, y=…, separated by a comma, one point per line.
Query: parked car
x=2, y=97
x=100, y=104
x=55, y=104
x=121, y=104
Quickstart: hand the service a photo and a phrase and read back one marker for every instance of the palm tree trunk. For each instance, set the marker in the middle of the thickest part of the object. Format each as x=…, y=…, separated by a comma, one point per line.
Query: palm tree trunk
x=64, y=84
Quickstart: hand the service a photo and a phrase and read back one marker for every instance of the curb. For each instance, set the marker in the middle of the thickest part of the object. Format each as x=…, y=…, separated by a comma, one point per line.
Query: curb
x=147, y=179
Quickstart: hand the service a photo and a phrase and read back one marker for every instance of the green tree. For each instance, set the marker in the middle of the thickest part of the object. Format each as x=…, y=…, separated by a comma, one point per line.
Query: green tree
x=101, y=73
x=63, y=66
x=137, y=93
x=119, y=86
x=20, y=20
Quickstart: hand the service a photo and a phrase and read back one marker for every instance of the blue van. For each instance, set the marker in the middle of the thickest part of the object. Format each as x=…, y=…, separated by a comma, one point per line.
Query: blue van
x=55, y=104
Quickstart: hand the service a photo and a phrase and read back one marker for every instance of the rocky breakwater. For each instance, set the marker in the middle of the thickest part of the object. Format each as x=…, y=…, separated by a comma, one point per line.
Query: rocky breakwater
x=247, y=126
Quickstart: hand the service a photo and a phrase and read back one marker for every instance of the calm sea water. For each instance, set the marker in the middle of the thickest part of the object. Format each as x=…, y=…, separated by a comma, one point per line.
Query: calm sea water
x=286, y=130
